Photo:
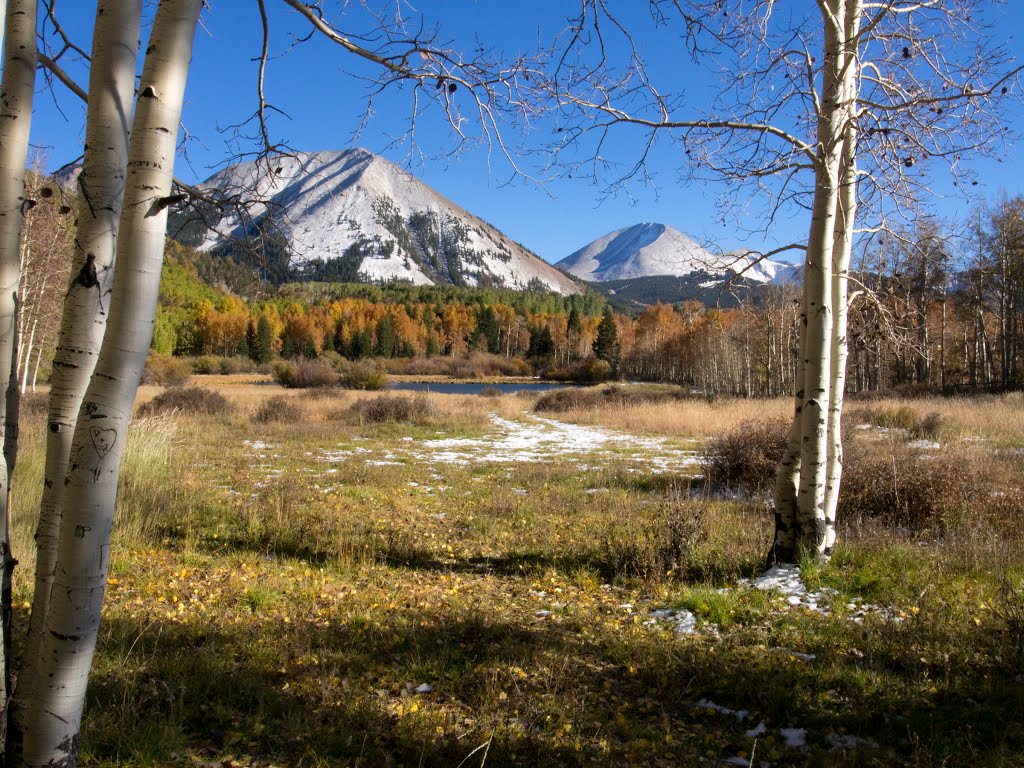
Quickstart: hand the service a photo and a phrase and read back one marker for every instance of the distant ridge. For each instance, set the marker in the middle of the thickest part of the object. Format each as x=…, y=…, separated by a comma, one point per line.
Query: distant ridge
x=653, y=250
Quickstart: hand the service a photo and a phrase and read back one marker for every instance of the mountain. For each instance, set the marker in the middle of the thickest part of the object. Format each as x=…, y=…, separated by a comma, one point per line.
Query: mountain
x=353, y=216
x=649, y=250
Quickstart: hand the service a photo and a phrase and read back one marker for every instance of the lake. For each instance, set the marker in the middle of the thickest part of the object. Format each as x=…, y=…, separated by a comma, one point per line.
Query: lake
x=475, y=388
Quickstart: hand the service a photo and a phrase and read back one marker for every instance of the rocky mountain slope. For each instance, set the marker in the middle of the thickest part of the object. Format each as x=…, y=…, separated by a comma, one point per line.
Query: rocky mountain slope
x=351, y=215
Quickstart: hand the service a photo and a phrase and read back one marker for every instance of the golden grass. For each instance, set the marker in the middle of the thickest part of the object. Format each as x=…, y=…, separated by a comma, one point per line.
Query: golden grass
x=273, y=607
x=993, y=417
x=695, y=419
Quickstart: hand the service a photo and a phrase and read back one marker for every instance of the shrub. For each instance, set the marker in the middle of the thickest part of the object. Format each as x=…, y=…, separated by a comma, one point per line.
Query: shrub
x=166, y=370
x=590, y=371
x=422, y=366
x=905, y=488
x=230, y=365
x=364, y=375
x=189, y=400
x=746, y=458
x=480, y=364
x=323, y=393
x=303, y=373
x=206, y=365
x=474, y=366
x=392, y=408
x=564, y=400
x=902, y=417
x=931, y=427
x=332, y=358
x=654, y=545
x=278, y=409
x=569, y=399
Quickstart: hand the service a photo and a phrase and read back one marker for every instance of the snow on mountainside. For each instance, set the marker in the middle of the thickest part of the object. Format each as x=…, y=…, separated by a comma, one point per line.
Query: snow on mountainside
x=646, y=250
x=352, y=215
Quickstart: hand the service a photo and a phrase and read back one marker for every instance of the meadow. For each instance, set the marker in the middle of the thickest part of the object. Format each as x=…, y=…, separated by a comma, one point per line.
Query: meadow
x=334, y=578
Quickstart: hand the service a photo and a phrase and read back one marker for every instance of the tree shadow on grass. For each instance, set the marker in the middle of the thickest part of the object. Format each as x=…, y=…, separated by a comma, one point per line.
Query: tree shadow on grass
x=542, y=693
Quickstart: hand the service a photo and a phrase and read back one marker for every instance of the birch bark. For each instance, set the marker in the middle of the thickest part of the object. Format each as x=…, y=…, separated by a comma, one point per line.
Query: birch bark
x=16, y=91
x=68, y=642
x=101, y=191
x=842, y=249
x=808, y=481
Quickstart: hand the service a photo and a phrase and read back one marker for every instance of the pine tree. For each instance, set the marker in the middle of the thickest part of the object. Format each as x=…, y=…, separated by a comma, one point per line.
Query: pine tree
x=261, y=348
x=385, y=337
x=487, y=329
x=542, y=345
x=575, y=327
x=606, y=345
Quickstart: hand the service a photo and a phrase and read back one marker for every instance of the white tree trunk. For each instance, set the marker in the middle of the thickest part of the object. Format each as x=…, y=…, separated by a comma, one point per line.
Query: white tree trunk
x=26, y=356
x=101, y=188
x=811, y=473
x=788, y=477
x=3, y=20
x=840, y=349
x=39, y=359
x=16, y=91
x=76, y=595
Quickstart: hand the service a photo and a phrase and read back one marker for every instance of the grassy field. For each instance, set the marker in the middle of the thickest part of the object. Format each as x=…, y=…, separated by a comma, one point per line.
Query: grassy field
x=355, y=579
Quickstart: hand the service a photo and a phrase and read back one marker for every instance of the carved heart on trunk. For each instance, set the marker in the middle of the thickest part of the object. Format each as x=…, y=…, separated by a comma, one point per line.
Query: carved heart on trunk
x=102, y=439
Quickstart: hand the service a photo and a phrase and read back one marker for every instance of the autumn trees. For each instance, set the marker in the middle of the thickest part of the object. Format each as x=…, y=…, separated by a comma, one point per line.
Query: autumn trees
x=833, y=107
x=110, y=309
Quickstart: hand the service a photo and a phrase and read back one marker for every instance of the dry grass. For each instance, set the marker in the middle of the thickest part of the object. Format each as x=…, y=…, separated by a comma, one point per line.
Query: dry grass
x=697, y=419
x=384, y=408
x=993, y=417
x=280, y=409
x=746, y=457
x=280, y=605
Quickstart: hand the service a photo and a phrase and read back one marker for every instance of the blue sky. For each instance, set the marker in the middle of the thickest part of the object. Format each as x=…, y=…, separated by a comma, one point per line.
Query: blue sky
x=318, y=86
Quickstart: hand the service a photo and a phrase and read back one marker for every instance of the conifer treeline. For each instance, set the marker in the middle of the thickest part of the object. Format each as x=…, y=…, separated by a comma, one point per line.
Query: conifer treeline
x=921, y=315
x=915, y=321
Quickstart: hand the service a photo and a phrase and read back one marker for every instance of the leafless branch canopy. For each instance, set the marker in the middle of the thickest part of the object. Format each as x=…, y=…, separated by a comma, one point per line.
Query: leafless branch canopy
x=934, y=87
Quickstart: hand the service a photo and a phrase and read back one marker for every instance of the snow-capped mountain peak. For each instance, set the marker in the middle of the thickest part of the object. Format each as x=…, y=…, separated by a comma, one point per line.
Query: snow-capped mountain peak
x=351, y=214
x=651, y=249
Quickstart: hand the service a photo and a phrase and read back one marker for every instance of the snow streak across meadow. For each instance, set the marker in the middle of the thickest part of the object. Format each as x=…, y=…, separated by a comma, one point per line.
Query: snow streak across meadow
x=535, y=440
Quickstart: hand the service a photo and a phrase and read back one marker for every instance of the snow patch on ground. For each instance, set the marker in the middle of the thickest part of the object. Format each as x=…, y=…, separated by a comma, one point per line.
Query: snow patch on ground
x=536, y=439
x=839, y=741
x=540, y=439
x=739, y=714
x=758, y=730
x=786, y=581
x=681, y=621
x=794, y=737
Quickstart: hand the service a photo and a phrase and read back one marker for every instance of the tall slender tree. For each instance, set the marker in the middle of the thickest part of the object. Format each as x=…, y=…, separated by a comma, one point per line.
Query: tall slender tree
x=54, y=708
x=606, y=345
x=17, y=86
x=828, y=103
x=93, y=403
x=101, y=192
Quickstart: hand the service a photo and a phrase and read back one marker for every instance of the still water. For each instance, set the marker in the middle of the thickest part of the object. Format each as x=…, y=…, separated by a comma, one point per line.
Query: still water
x=474, y=388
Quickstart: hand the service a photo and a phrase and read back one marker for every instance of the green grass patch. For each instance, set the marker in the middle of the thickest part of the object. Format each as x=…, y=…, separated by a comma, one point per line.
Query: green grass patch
x=299, y=604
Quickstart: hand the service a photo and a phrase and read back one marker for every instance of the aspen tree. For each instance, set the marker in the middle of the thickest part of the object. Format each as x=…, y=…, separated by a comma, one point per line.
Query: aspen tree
x=820, y=102
x=101, y=191
x=16, y=92
x=54, y=710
